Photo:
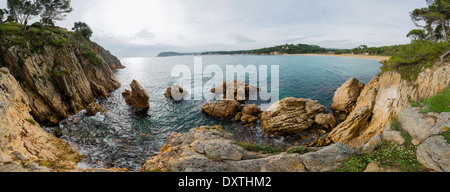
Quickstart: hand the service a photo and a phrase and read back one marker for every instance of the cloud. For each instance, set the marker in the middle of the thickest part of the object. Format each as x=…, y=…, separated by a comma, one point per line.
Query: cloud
x=242, y=39
x=204, y=25
x=297, y=39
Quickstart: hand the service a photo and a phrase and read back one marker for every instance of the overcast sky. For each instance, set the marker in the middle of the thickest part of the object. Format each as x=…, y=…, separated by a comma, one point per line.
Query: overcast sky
x=147, y=27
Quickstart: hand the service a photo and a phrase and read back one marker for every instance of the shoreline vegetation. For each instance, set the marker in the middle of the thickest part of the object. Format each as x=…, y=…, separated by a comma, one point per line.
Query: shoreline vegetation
x=372, y=57
x=362, y=51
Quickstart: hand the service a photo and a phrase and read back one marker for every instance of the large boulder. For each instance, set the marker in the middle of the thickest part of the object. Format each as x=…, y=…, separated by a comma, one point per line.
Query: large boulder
x=421, y=126
x=248, y=116
x=176, y=92
x=235, y=87
x=346, y=96
x=434, y=153
x=326, y=120
x=137, y=97
x=290, y=115
x=94, y=108
x=224, y=109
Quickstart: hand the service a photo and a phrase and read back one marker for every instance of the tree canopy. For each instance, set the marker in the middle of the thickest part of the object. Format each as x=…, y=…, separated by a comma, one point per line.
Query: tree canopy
x=23, y=10
x=434, y=20
x=83, y=29
x=54, y=10
x=2, y=14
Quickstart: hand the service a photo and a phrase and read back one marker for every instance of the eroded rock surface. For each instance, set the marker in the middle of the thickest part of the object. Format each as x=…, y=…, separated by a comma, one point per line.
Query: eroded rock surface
x=290, y=115
x=137, y=97
x=209, y=149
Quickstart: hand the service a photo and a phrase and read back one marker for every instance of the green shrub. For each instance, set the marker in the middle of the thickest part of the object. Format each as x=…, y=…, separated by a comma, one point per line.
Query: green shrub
x=91, y=56
x=395, y=124
x=439, y=103
x=58, y=42
x=32, y=121
x=413, y=58
x=37, y=25
x=60, y=73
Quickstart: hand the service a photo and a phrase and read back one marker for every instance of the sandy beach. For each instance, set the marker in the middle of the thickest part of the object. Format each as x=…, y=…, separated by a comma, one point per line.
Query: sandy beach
x=374, y=57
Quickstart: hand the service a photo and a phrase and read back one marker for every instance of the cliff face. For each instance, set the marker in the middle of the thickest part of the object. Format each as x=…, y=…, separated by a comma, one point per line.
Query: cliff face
x=383, y=98
x=21, y=139
x=60, y=81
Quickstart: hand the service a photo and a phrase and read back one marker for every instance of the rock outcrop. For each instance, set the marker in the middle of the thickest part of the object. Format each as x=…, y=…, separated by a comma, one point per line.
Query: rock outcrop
x=60, y=81
x=422, y=130
x=241, y=90
x=248, y=116
x=326, y=120
x=176, y=92
x=224, y=109
x=420, y=126
x=383, y=98
x=94, y=108
x=23, y=143
x=290, y=115
x=346, y=96
x=209, y=149
x=137, y=97
x=434, y=153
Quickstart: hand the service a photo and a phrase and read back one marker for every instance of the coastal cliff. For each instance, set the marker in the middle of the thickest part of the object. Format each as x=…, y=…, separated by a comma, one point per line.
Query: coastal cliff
x=45, y=76
x=383, y=99
x=22, y=140
x=60, y=79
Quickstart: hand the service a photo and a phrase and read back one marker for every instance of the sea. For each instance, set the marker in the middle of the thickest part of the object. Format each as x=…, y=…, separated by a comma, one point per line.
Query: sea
x=124, y=138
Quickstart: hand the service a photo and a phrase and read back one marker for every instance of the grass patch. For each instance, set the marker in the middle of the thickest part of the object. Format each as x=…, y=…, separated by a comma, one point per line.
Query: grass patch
x=260, y=148
x=439, y=103
x=32, y=121
x=298, y=149
x=395, y=124
x=388, y=155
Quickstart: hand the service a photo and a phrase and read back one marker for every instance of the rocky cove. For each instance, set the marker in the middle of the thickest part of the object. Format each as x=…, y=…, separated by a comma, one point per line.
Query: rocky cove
x=49, y=86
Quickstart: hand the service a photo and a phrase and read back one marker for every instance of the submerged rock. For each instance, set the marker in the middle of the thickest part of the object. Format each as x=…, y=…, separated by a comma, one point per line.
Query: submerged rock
x=290, y=115
x=137, y=97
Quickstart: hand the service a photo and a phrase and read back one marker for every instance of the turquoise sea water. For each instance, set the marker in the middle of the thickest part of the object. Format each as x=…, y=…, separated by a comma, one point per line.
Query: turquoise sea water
x=126, y=139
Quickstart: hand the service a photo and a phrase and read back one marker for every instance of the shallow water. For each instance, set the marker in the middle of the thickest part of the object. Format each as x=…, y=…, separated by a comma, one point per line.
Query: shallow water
x=125, y=139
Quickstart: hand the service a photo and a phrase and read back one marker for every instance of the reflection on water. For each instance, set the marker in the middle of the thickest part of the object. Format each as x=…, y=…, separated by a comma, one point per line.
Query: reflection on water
x=124, y=139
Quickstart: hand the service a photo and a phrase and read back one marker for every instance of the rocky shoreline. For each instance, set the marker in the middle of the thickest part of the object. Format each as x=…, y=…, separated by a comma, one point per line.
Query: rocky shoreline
x=47, y=88
x=366, y=112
